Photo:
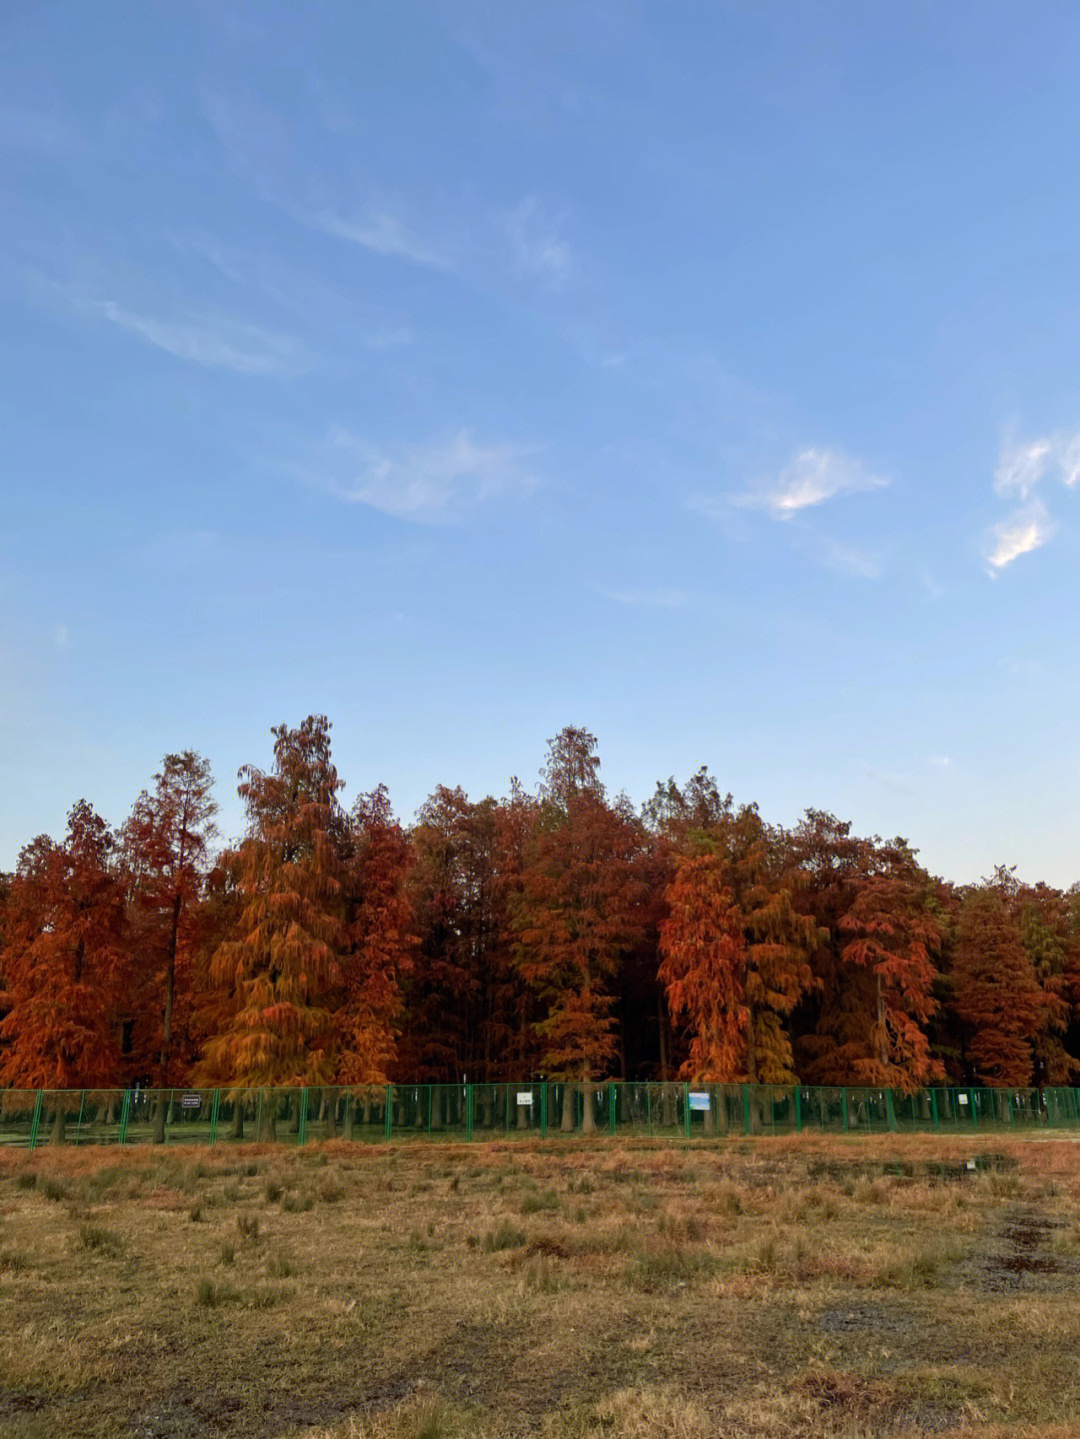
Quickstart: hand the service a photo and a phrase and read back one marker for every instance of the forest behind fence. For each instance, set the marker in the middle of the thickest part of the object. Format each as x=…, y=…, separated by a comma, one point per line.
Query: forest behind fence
x=384, y=1113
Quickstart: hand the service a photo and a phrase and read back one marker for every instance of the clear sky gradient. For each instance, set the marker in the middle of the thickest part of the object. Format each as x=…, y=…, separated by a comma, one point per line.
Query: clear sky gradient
x=707, y=375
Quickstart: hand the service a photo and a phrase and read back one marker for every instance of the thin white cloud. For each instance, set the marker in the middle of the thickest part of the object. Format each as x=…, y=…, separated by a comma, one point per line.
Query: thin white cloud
x=811, y=478
x=430, y=484
x=849, y=561
x=646, y=599
x=1021, y=467
x=939, y=761
x=1025, y=530
x=1069, y=459
x=217, y=342
x=538, y=245
x=378, y=230
x=260, y=148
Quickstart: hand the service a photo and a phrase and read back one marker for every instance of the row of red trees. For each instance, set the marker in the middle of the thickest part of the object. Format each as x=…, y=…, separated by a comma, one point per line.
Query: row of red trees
x=559, y=933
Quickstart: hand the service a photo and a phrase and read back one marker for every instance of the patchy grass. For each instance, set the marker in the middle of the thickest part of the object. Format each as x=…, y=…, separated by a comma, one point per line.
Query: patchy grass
x=739, y=1289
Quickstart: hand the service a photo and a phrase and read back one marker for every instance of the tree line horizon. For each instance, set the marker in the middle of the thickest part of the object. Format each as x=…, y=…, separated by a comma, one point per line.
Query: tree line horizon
x=557, y=934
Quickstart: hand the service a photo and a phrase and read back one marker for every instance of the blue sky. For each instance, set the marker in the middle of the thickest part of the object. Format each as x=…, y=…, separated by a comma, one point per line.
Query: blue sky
x=706, y=375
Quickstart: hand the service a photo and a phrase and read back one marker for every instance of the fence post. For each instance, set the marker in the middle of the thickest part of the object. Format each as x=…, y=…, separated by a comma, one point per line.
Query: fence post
x=388, y=1116
x=746, y=1108
x=611, y=1103
x=890, y=1110
x=686, y=1109
x=214, y=1115
x=78, y=1127
x=844, y=1108
x=301, y=1131
x=543, y=1110
x=798, y=1109
x=125, y=1115
x=470, y=1110
x=36, y=1121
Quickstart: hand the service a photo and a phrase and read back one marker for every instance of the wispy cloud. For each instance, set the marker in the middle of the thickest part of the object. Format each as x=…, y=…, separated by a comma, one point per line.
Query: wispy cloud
x=848, y=560
x=1069, y=459
x=1025, y=530
x=659, y=599
x=538, y=245
x=1021, y=467
x=215, y=341
x=810, y=478
x=376, y=229
x=431, y=484
x=260, y=148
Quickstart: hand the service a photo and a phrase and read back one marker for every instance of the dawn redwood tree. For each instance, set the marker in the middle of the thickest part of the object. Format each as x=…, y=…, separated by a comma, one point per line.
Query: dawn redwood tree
x=166, y=846
x=997, y=991
x=578, y=911
x=64, y=960
x=455, y=1029
x=379, y=946
x=285, y=952
x=703, y=958
x=890, y=937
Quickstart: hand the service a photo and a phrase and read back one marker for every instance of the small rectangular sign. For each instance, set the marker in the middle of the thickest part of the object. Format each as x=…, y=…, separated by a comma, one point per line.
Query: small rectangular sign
x=961, y=1099
x=525, y=1098
x=190, y=1101
x=699, y=1099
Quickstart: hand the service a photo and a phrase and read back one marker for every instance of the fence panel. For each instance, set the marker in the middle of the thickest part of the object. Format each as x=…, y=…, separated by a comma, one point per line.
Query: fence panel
x=376, y=1113
x=20, y=1117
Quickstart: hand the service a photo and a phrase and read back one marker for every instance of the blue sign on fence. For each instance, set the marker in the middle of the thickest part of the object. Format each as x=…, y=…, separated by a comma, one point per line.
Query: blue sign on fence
x=699, y=1099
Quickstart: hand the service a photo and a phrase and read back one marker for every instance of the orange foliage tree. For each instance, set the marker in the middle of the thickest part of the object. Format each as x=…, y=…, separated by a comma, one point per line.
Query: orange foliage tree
x=703, y=956
x=166, y=845
x=576, y=915
x=380, y=944
x=285, y=953
x=65, y=960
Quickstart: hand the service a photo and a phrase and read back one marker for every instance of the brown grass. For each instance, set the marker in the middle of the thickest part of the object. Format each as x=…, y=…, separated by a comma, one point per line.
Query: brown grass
x=744, y=1289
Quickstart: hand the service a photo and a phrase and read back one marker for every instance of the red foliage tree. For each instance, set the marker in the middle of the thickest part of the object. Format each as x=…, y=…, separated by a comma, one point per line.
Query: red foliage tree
x=577, y=914
x=380, y=944
x=703, y=958
x=64, y=960
x=166, y=852
x=892, y=935
x=997, y=990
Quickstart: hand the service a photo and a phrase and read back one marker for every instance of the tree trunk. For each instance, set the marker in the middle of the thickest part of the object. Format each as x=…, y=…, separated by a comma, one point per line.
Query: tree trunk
x=567, y=1125
x=159, y=1118
x=522, y=1114
x=667, y=1107
x=268, y=1125
x=237, y=1130
x=588, y=1109
x=330, y=1103
x=57, y=1135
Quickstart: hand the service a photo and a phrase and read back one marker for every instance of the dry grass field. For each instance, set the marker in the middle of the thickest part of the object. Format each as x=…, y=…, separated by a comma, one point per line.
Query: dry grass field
x=760, y=1288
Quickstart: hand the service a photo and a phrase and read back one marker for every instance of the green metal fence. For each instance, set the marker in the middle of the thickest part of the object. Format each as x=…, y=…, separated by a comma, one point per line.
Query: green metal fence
x=377, y=1113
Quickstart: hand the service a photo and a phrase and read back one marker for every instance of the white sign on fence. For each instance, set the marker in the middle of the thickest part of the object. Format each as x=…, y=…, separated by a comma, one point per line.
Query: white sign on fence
x=699, y=1099
x=524, y=1098
x=191, y=1101
x=961, y=1099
